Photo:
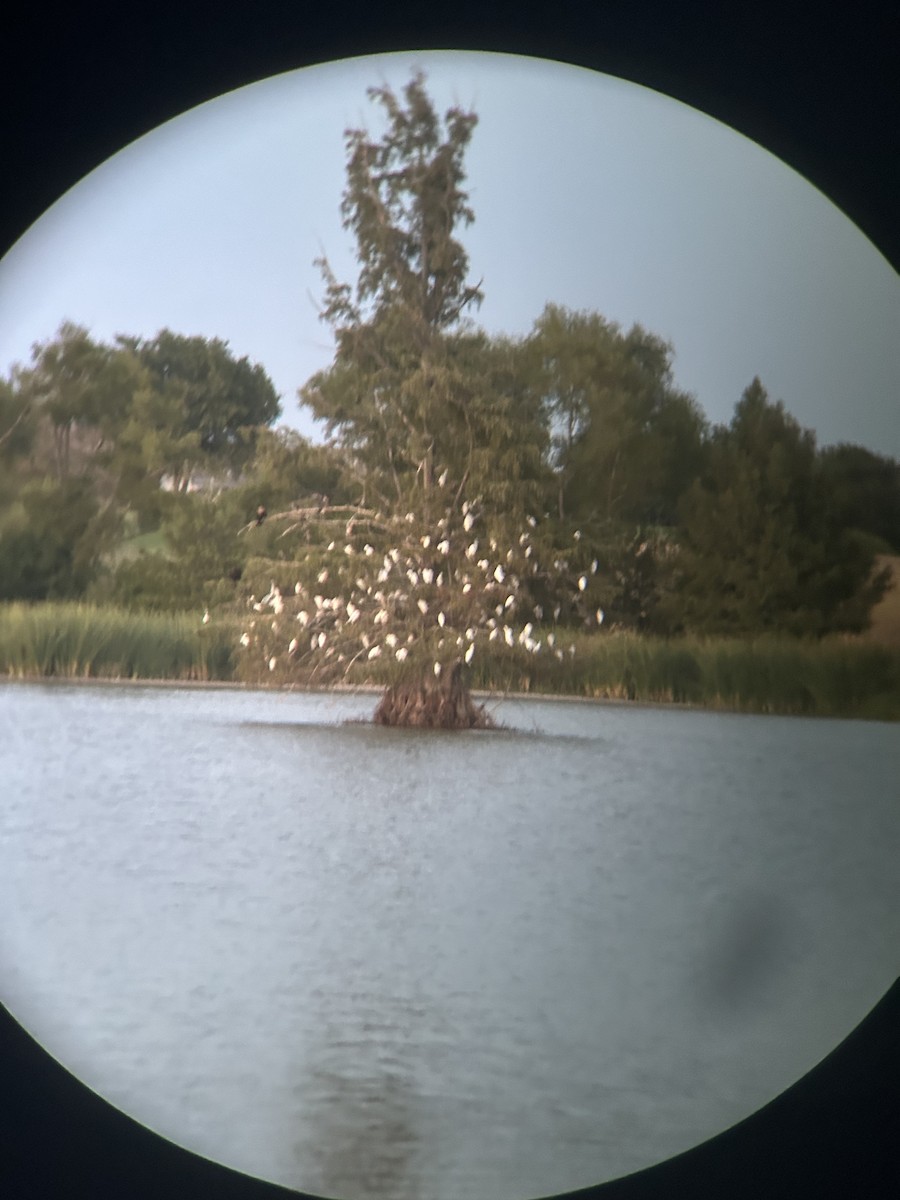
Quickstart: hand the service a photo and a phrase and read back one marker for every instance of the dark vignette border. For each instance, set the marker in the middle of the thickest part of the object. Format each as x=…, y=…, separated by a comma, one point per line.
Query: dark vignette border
x=814, y=86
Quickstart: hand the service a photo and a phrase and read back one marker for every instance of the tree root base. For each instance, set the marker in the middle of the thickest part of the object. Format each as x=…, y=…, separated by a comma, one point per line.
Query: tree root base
x=442, y=703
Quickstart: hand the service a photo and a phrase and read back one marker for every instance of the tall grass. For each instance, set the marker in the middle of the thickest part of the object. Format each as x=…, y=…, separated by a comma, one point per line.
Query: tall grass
x=770, y=675
x=80, y=640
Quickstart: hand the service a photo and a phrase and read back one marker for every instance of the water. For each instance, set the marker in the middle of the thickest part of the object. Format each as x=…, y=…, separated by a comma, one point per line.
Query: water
x=376, y=963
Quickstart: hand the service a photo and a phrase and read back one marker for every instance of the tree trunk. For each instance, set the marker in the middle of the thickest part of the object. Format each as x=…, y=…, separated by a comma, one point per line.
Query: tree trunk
x=432, y=703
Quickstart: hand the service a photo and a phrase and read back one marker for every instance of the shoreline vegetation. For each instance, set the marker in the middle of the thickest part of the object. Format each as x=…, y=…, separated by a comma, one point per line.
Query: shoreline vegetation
x=834, y=677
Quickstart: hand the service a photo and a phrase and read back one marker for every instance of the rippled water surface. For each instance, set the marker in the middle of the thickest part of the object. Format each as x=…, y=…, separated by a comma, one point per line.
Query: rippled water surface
x=380, y=963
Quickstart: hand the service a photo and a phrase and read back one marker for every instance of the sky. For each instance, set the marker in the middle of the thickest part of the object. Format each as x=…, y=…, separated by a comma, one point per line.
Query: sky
x=588, y=191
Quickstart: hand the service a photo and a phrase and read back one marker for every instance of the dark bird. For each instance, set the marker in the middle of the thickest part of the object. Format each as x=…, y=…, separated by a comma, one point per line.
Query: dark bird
x=261, y=514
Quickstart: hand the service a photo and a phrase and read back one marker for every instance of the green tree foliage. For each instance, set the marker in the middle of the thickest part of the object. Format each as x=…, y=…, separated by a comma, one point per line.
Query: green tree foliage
x=625, y=442
x=863, y=489
x=760, y=549
x=74, y=388
x=288, y=469
x=53, y=539
x=414, y=395
x=206, y=405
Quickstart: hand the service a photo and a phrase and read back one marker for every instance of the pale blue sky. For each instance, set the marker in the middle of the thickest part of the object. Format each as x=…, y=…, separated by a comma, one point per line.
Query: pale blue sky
x=588, y=192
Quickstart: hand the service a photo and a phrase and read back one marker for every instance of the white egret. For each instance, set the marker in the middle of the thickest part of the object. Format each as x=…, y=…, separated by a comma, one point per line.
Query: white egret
x=245, y=639
x=437, y=668
x=292, y=645
x=441, y=620
x=272, y=662
x=422, y=606
x=206, y=617
x=499, y=573
x=600, y=616
x=582, y=583
x=427, y=575
x=470, y=653
x=400, y=653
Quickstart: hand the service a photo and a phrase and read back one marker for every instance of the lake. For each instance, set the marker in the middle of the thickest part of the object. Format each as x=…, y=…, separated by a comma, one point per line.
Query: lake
x=379, y=963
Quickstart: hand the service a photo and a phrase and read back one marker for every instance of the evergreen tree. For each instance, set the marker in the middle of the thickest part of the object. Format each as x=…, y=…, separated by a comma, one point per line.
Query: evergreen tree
x=760, y=550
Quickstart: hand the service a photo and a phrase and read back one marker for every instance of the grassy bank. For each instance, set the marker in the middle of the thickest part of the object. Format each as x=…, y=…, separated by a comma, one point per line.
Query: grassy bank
x=79, y=640
x=836, y=679
x=833, y=678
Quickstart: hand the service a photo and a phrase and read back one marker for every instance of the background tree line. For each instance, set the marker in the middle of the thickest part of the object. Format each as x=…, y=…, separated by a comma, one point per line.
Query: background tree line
x=131, y=472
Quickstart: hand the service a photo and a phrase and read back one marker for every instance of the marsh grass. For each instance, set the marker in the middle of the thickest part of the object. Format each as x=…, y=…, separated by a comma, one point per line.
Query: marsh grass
x=83, y=641
x=774, y=675
x=846, y=678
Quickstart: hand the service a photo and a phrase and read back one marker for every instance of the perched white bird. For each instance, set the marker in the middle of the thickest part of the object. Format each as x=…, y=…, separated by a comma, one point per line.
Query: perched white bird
x=245, y=639
x=499, y=573
x=442, y=478
x=582, y=583
x=437, y=668
x=508, y=636
x=374, y=652
x=422, y=606
x=400, y=653
x=472, y=550
x=322, y=576
x=466, y=588
x=368, y=550
x=272, y=662
x=426, y=541
x=322, y=639
x=470, y=653
x=427, y=575
x=441, y=620
x=444, y=546
x=292, y=645
x=468, y=521
x=600, y=616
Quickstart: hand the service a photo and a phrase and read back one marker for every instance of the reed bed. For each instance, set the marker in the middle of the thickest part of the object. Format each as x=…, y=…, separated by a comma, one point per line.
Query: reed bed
x=836, y=678
x=85, y=641
x=771, y=675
